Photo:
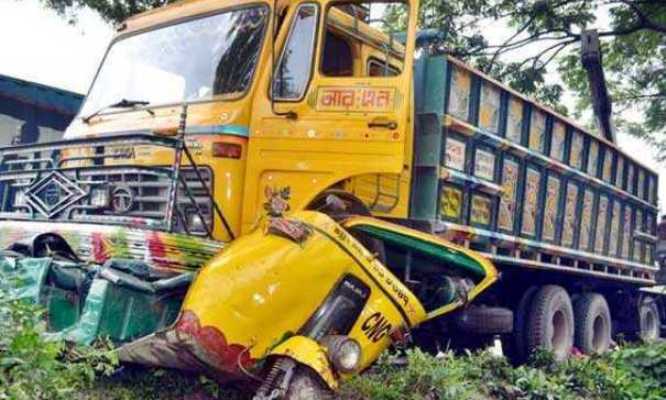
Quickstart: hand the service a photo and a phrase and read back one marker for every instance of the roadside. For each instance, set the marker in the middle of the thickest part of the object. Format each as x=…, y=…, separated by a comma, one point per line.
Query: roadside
x=32, y=368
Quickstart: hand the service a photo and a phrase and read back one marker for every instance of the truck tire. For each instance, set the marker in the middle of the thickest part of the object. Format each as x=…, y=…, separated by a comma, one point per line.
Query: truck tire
x=593, y=324
x=485, y=320
x=306, y=385
x=520, y=318
x=648, y=319
x=550, y=323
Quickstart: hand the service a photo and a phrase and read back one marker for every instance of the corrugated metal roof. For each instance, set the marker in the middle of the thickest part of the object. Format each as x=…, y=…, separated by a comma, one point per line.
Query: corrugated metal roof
x=41, y=96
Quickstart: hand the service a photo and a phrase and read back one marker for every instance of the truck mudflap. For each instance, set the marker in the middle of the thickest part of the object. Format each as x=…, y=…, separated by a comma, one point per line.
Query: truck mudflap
x=191, y=347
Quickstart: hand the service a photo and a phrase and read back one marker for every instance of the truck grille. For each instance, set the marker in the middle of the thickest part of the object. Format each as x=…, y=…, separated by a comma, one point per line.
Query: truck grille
x=54, y=181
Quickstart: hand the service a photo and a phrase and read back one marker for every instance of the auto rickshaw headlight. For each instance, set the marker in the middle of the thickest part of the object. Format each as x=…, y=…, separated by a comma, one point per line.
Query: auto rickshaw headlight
x=343, y=352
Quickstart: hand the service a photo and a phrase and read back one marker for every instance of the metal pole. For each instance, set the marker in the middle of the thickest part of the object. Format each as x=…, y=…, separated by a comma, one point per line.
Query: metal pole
x=173, y=192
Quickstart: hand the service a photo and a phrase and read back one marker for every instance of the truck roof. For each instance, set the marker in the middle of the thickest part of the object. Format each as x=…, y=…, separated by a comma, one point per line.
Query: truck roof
x=180, y=10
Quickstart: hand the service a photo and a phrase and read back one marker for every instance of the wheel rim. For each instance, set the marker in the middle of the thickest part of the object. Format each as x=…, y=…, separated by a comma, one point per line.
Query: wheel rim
x=599, y=330
x=650, y=326
x=558, y=340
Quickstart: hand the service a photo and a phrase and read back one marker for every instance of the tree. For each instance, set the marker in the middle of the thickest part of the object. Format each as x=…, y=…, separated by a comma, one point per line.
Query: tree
x=114, y=11
x=544, y=35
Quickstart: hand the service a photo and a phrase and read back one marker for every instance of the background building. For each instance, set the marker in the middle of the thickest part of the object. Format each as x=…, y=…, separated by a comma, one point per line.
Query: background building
x=31, y=112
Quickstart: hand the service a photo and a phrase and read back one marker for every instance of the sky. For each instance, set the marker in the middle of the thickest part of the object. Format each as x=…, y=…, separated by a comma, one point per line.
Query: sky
x=37, y=44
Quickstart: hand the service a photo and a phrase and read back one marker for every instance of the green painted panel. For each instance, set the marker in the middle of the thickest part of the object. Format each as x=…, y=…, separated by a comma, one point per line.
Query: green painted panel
x=448, y=256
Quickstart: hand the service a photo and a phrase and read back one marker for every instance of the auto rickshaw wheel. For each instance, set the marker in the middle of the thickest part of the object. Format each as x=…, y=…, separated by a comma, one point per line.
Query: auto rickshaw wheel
x=306, y=385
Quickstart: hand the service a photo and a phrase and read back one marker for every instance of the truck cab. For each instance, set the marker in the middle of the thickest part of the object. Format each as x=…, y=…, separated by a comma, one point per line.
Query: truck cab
x=305, y=95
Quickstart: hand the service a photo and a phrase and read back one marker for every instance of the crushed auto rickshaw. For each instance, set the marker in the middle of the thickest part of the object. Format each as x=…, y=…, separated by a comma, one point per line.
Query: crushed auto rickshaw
x=301, y=302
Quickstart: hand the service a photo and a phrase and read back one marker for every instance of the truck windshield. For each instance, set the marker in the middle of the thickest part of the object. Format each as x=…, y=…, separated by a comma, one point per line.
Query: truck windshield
x=208, y=58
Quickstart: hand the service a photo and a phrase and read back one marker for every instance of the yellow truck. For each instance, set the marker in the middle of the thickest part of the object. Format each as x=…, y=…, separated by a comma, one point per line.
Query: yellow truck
x=218, y=132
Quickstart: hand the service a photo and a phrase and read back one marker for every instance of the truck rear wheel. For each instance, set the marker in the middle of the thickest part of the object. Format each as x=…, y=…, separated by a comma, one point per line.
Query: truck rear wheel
x=593, y=324
x=550, y=324
x=520, y=318
x=649, y=321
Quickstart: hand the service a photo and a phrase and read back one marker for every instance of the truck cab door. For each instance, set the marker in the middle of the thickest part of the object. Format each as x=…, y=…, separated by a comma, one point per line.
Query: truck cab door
x=341, y=102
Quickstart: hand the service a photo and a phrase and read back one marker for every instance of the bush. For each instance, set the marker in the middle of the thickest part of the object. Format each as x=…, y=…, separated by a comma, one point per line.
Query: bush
x=634, y=372
x=33, y=368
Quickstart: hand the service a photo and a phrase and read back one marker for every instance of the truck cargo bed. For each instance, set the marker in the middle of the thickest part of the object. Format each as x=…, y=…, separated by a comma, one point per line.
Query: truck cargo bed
x=499, y=173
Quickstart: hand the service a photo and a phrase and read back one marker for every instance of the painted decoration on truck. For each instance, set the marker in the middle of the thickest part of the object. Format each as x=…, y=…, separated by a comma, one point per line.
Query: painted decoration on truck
x=537, y=130
x=649, y=248
x=455, y=153
x=99, y=243
x=614, y=229
x=459, y=94
x=507, y=207
x=480, y=213
x=484, y=165
x=570, y=220
x=358, y=99
x=638, y=245
x=641, y=184
x=602, y=223
x=608, y=164
x=619, y=171
x=489, y=107
x=550, y=212
x=576, y=159
x=630, y=178
x=514, y=120
x=451, y=201
x=593, y=158
x=586, y=220
x=626, y=232
x=530, y=201
x=558, y=141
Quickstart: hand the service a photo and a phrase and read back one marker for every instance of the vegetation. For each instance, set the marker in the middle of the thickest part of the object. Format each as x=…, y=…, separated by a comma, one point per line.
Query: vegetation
x=33, y=368
x=629, y=373
x=547, y=33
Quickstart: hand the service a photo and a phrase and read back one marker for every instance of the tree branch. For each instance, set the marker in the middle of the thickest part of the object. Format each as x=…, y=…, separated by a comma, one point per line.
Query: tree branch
x=644, y=19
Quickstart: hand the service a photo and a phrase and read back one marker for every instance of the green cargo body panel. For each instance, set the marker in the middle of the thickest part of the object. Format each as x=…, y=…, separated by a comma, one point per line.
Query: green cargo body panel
x=80, y=313
x=503, y=175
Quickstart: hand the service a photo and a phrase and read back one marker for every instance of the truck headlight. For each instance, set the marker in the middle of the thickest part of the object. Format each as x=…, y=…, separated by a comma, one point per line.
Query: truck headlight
x=343, y=352
x=196, y=224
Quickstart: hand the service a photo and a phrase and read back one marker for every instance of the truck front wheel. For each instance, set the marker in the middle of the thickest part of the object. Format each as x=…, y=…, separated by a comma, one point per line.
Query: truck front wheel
x=550, y=324
x=593, y=324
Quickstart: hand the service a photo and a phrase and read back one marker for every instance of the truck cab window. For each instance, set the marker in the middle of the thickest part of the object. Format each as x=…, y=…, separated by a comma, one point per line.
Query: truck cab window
x=381, y=68
x=295, y=67
x=359, y=32
x=222, y=52
x=338, y=59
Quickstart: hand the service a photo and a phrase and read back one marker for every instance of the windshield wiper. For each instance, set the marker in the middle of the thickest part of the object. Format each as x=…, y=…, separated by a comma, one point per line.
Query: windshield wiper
x=124, y=103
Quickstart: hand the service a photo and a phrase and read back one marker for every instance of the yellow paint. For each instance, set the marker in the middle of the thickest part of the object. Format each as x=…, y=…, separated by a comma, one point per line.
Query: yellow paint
x=263, y=287
x=308, y=352
x=348, y=132
x=327, y=145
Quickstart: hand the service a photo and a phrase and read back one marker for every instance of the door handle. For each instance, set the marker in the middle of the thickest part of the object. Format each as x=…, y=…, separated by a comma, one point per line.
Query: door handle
x=382, y=123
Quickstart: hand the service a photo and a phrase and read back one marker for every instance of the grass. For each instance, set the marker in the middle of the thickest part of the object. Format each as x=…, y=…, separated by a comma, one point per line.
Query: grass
x=34, y=369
